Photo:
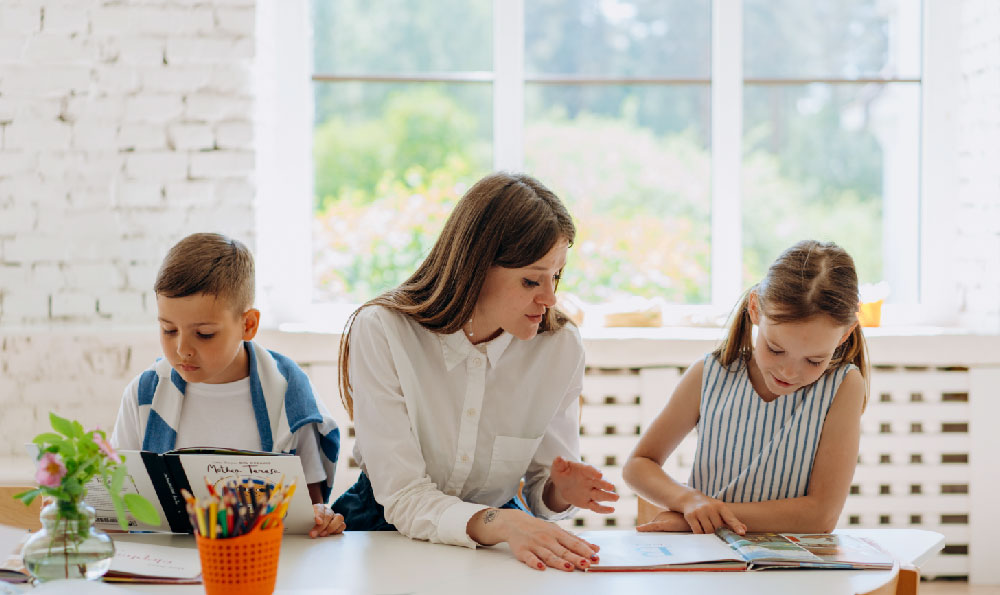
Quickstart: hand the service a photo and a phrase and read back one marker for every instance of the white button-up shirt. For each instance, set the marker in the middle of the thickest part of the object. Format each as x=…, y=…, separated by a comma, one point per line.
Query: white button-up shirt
x=445, y=428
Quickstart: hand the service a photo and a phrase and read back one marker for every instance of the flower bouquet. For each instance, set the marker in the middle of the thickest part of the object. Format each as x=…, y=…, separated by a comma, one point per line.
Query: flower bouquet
x=68, y=545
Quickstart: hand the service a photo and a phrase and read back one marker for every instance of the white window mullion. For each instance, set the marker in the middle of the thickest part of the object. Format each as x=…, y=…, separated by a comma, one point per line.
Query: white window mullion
x=940, y=101
x=727, y=139
x=508, y=85
x=283, y=126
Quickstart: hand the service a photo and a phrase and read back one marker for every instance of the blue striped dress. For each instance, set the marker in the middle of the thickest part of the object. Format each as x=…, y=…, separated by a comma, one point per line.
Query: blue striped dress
x=751, y=450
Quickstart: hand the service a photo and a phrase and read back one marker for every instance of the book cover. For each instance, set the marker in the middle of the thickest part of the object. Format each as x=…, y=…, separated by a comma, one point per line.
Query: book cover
x=161, y=477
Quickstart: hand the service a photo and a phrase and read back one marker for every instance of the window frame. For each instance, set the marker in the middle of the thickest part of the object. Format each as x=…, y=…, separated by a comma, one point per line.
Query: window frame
x=284, y=105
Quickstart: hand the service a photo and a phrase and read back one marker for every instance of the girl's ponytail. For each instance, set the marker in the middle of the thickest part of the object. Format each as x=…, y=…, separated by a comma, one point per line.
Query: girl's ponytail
x=738, y=344
x=854, y=350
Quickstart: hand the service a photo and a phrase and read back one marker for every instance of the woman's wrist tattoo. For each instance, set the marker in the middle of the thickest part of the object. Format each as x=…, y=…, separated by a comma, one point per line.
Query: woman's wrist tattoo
x=490, y=516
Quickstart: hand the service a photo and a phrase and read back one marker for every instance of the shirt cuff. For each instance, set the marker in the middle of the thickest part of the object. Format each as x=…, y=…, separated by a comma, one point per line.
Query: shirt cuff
x=454, y=526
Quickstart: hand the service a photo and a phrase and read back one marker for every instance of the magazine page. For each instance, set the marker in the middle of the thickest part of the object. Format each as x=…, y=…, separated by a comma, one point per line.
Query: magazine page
x=631, y=550
x=835, y=550
x=813, y=550
x=770, y=547
x=261, y=472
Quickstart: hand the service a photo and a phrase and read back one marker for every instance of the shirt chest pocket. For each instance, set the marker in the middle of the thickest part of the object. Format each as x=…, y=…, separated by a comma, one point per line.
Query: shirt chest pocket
x=511, y=457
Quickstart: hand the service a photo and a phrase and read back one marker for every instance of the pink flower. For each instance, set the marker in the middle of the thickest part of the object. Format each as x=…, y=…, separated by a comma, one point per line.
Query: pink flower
x=50, y=470
x=106, y=448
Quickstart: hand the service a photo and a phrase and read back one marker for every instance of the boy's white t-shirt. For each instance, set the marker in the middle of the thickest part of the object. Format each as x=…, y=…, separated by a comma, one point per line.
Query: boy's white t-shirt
x=216, y=415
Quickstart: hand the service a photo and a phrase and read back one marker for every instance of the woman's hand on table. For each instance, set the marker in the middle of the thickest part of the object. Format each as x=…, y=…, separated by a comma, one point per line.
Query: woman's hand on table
x=537, y=543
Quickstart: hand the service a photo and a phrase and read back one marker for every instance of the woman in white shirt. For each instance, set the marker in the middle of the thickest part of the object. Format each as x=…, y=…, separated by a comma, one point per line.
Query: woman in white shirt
x=465, y=379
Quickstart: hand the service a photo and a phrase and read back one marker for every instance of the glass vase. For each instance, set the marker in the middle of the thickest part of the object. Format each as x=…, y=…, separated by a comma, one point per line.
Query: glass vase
x=68, y=546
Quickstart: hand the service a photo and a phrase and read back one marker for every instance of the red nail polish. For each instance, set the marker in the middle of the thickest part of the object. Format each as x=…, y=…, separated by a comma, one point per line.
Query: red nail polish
x=568, y=565
x=541, y=566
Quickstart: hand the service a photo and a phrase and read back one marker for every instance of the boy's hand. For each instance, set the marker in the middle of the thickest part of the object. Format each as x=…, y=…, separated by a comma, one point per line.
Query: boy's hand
x=327, y=522
x=705, y=514
x=582, y=485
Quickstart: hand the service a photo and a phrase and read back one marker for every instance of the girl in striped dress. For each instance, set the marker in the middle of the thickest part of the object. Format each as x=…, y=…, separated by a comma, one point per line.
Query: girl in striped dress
x=777, y=411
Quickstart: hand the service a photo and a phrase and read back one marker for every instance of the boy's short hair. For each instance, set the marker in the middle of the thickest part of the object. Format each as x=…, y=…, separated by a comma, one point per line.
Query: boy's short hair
x=208, y=263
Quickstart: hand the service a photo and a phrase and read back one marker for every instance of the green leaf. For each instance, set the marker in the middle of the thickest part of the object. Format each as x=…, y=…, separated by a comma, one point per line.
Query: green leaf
x=66, y=450
x=47, y=437
x=72, y=486
x=61, y=425
x=117, y=479
x=29, y=496
x=78, y=431
x=119, y=505
x=141, y=509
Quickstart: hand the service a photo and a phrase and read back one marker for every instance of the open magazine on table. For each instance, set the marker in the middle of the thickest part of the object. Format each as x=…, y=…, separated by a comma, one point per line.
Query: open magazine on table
x=728, y=551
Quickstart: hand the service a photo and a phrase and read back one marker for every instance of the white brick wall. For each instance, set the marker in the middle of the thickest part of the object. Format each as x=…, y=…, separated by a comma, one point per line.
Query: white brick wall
x=123, y=126
x=977, y=199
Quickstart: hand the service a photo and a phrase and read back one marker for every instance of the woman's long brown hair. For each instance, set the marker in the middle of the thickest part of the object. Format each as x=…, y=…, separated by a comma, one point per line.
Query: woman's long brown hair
x=809, y=279
x=506, y=220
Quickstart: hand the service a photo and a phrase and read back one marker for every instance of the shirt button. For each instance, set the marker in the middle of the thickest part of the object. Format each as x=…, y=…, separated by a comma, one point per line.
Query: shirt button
x=465, y=458
x=470, y=412
x=476, y=362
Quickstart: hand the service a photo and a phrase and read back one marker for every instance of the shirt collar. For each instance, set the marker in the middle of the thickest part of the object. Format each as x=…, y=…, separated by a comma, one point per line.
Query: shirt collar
x=456, y=348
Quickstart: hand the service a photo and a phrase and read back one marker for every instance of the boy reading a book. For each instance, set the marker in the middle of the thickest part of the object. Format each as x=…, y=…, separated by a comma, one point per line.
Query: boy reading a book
x=215, y=387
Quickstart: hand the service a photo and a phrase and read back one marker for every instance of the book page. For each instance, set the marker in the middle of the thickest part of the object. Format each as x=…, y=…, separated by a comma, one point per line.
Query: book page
x=773, y=547
x=155, y=561
x=136, y=482
x=625, y=550
x=267, y=468
x=850, y=552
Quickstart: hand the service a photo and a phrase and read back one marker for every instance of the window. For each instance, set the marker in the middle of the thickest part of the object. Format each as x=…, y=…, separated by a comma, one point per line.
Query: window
x=691, y=139
x=831, y=135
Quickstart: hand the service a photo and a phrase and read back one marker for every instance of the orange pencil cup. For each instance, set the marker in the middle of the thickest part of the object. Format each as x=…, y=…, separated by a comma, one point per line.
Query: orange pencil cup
x=244, y=565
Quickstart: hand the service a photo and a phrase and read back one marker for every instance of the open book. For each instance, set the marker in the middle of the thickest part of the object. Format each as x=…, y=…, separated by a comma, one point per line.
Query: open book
x=727, y=551
x=161, y=477
x=154, y=564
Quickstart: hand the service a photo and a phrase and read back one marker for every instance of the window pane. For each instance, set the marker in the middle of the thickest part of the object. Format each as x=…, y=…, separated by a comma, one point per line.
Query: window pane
x=401, y=36
x=834, y=163
x=619, y=37
x=831, y=38
x=390, y=162
x=632, y=164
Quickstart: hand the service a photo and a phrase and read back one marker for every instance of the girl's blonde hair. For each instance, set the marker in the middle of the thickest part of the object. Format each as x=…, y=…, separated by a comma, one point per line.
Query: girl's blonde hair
x=809, y=279
x=506, y=220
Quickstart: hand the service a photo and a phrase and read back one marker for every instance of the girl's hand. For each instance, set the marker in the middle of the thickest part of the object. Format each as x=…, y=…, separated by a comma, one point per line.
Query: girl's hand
x=667, y=520
x=582, y=485
x=704, y=514
x=327, y=522
x=538, y=543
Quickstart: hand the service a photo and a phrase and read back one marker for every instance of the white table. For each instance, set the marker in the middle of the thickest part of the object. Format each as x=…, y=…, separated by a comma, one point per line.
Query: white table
x=388, y=563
